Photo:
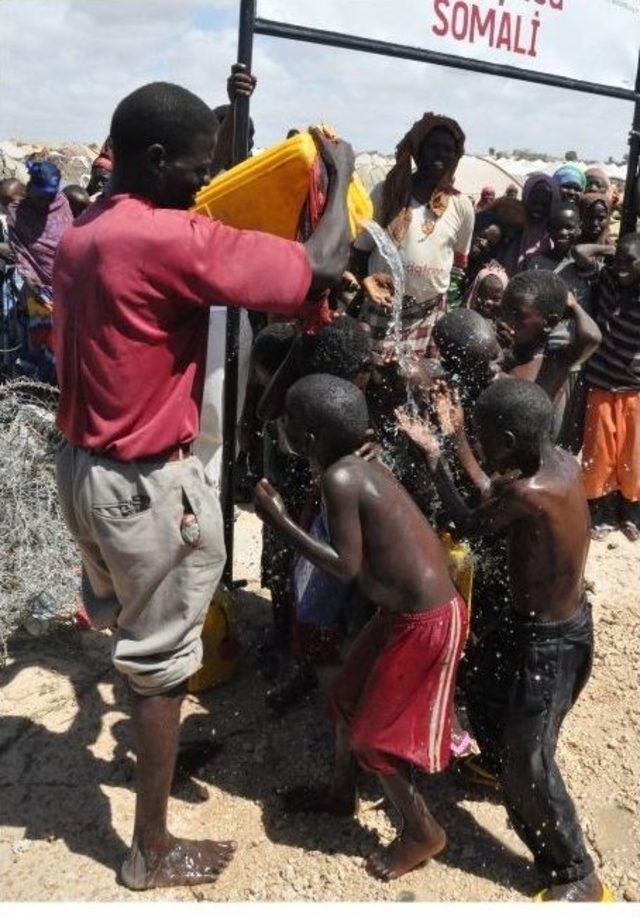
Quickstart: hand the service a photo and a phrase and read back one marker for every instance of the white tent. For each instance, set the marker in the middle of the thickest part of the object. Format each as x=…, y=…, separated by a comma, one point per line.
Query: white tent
x=476, y=172
x=472, y=175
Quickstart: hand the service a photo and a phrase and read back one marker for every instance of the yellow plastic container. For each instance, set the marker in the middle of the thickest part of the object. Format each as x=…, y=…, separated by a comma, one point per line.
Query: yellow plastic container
x=460, y=563
x=268, y=191
x=221, y=646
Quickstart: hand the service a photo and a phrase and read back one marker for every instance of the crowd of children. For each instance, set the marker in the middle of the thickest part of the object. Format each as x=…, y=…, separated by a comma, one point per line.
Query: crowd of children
x=415, y=421
x=380, y=452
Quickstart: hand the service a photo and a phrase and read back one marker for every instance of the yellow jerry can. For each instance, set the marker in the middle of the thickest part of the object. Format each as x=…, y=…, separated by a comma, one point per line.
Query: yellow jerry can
x=268, y=191
x=460, y=563
x=220, y=643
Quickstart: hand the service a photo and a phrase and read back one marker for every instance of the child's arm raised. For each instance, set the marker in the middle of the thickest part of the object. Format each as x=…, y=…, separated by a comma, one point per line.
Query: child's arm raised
x=556, y=365
x=502, y=504
x=343, y=557
x=586, y=256
x=450, y=414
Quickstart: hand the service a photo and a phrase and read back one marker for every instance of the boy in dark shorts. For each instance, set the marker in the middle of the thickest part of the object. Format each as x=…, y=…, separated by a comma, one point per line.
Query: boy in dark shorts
x=529, y=670
x=392, y=702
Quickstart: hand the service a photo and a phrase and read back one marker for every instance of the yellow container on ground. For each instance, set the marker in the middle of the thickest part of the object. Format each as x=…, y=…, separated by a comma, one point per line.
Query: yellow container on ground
x=220, y=643
x=268, y=191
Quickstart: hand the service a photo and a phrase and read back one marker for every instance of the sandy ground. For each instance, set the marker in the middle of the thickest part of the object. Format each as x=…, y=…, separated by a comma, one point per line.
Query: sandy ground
x=66, y=800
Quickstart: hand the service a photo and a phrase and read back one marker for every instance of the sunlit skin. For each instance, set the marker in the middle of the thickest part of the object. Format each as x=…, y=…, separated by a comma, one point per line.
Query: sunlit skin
x=382, y=542
x=534, y=492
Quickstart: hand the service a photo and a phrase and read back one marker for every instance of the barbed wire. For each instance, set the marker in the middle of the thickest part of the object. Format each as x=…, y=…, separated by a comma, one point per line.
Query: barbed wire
x=39, y=562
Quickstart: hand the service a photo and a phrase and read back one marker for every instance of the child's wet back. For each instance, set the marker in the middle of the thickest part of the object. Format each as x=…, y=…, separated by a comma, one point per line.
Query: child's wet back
x=381, y=538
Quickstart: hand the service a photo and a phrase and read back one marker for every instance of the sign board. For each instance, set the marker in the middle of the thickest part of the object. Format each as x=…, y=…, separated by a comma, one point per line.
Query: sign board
x=592, y=40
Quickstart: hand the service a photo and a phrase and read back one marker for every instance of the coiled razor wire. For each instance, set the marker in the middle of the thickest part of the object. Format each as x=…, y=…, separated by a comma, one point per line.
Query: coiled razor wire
x=39, y=562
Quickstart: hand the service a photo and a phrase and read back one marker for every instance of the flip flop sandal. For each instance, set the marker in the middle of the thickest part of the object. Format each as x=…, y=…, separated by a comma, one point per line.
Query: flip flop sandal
x=461, y=745
x=475, y=773
x=607, y=897
x=600, y=532
x=630, y=530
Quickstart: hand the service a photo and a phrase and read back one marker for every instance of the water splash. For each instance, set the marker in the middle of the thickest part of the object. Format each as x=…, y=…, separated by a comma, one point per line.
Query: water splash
x=389, y=252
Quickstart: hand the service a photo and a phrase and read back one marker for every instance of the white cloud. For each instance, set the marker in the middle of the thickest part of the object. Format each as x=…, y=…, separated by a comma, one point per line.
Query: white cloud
x=66, y=63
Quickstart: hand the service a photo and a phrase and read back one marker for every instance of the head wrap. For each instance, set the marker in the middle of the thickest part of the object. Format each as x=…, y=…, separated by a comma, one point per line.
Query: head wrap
x=541, y=178
x=493, y=267
x=44, y=177
x=570, y=174
x=535, y=238
x=34, y=235
x=587, y=201
x=396, y=198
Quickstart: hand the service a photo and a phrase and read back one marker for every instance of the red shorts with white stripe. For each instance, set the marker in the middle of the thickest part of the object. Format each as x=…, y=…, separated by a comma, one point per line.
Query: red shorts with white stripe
x=395, y=690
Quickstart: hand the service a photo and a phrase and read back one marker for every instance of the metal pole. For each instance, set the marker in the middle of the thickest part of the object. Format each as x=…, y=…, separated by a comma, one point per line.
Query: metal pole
x=632, y=191
x=230, y=392
x=408, y=52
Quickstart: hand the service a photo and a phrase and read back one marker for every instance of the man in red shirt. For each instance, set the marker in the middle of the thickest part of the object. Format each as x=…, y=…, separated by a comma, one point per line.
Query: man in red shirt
x=132, y=280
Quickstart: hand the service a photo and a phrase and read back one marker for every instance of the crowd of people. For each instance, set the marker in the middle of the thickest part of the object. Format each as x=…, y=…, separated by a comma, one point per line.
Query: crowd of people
x=406, y=400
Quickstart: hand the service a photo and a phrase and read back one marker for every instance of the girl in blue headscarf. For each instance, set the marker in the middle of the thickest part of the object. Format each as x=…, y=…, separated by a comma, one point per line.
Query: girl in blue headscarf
x=571, y=181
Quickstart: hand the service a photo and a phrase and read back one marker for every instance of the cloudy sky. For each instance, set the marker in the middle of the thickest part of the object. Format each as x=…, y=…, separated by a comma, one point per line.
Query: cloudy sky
x=64, y=64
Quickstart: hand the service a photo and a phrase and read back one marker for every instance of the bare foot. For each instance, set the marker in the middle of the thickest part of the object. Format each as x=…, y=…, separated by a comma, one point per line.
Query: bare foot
x=180, y=862
x=589, y=889
x=319, y=800
x=630, y=530
x=405, y=854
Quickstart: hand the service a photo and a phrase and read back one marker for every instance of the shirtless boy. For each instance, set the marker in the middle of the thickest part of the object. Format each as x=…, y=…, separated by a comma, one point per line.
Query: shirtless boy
x=392, y=701
x=529, y=669
x=534, y=303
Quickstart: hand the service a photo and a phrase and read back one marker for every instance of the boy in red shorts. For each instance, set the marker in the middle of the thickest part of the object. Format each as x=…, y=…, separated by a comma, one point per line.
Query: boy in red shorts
x=392, y=701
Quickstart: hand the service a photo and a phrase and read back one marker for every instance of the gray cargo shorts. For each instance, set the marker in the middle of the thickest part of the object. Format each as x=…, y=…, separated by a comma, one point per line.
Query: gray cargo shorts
x=139, y=576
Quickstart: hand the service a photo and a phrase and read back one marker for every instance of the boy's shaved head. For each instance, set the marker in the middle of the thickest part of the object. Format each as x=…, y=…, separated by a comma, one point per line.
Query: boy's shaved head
x=517, y=407
x=543, y=289
x=533, y=304
x=468, y=347
x=163, y=140
x=330, y=409
x=272, y=345
x=462, y=331
x=161, y=113
x=564, y=208
x=341, y=349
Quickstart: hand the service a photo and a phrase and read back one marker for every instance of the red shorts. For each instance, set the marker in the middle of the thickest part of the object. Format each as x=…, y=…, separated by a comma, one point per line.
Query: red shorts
x=395, y=690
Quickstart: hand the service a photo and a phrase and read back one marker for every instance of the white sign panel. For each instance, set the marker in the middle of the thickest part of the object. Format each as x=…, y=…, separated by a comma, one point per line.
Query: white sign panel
x=592, y=40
